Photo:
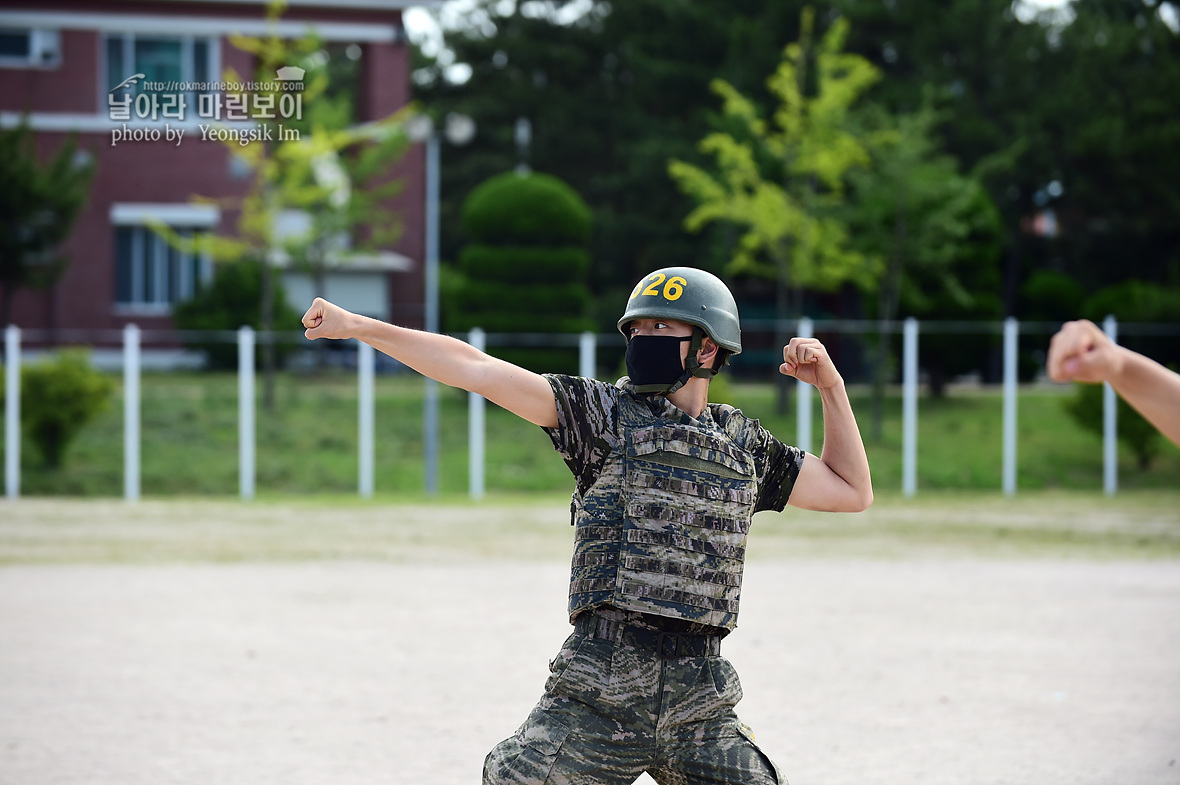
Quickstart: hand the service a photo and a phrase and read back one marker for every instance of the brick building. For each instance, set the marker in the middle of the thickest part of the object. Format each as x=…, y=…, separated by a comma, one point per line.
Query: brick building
x=61, y=63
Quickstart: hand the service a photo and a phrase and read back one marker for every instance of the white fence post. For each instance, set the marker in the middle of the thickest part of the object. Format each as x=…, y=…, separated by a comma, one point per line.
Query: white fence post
x=1110, y=423
x=1011, y=331
x=587, y=355
x=246, y=412
x=475, y=427
x=365, y=360
x=12, y=411
x=909, y=408
x=430, y=435
x=131, y=412
x=803, y=399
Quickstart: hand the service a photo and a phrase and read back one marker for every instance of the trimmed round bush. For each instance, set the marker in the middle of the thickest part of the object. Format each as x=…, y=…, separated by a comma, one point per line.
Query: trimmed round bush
x=526, y=209
x=525, y=271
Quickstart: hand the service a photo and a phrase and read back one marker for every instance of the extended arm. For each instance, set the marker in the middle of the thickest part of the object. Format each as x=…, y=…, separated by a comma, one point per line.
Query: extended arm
x=442, y=358
x=1081, y=352
x=838, y=480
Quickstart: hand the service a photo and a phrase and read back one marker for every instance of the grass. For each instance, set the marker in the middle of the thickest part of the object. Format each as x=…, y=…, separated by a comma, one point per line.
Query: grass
x=940, y=525
x=308, y=444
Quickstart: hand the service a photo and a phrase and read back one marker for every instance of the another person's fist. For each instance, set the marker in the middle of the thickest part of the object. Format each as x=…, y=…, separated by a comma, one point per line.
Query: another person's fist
x=1081, y=352
x=325, y=320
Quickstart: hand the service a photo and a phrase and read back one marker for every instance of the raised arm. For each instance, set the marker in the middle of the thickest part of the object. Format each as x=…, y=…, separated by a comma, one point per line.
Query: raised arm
x=838, y=480
x=1081, y=352
x=442, y=358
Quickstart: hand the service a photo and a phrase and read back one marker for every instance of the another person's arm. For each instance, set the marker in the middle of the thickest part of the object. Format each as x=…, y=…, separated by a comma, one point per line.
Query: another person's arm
x=838, y=480
x=1081, y=352
x=442, y=358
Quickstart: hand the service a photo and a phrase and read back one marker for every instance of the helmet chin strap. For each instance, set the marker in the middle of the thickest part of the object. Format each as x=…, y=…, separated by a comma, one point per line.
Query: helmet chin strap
x=692, y=367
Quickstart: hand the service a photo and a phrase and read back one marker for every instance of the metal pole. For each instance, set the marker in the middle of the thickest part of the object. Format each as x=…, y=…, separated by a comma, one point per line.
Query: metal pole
x=430, y=405
x=131, y=413
x=1110, y=424
x=803, y=399
x=909, y=408
x=475, y=428
x=587, y=355
x=246, y=412
x=12, y=411
x=365, y=360
x=1011, y=331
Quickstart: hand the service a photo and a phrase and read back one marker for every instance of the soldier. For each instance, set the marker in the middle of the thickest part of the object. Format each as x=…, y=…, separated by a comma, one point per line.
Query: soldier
x=666, y=485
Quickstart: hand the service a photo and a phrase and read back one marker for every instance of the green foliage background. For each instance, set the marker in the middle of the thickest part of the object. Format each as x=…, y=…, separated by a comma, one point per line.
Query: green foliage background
x=232, y=300
x=1067, y=109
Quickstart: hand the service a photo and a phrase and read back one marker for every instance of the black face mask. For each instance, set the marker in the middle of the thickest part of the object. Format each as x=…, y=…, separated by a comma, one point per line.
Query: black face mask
x=654, y=360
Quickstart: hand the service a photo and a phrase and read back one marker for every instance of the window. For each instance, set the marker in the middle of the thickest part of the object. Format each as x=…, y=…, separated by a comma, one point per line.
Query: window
x=151, y=275
x=160, y=59
x=24, y=48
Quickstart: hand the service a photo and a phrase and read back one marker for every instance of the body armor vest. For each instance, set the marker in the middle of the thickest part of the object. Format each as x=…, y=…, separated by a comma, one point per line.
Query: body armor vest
x=663, y=528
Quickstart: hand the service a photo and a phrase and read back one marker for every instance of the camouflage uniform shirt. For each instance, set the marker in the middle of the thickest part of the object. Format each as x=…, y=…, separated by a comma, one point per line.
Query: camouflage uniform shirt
x=588, y=436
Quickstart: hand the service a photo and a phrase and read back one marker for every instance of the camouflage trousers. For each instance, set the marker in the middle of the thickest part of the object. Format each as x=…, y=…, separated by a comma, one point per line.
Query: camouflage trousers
x=612, y=711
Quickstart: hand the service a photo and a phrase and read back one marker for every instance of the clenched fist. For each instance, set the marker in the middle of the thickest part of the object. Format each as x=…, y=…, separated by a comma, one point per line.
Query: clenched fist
x=325, y=320
x=1081, y=352
x=807, y=360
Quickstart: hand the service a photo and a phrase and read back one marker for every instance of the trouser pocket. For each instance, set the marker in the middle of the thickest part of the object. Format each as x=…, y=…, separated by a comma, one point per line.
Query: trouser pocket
x=528, y=757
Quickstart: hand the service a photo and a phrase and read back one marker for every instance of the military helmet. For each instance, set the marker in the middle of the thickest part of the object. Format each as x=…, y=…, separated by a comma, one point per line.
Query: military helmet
x=687, y=295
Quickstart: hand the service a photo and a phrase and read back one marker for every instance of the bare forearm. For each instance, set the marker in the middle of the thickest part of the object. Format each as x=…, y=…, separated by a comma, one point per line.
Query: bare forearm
x=446, y=360
x=844, y=450
x=439, y=357
x=1152, y=389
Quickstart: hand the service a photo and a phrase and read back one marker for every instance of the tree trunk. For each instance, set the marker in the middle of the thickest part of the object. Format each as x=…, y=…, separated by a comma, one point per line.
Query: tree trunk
x=938, y=380
x=782, y=315
x=888, y=297
x=6, y=304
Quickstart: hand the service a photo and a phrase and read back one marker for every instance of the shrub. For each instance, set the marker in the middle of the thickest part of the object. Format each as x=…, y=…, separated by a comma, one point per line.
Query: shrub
x=525, y=272
x=526, y=209
x=1133, y=429
x=1051, y=296
x=1139, y=301
x=58, y=398
x=233, y=300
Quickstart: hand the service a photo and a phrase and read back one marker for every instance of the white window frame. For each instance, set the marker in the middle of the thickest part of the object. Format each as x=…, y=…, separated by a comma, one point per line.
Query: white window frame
x=127, y=40
x=41, y=40
x=194, y=217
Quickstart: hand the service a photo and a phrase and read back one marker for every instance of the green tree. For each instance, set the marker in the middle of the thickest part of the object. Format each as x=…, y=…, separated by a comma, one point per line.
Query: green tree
x=58, y=398
x=1078, y=97
x=38, y=206
x=526, y=266
x=1079, y=93
x=1108, y=113
x=337, y=176
x=335, y=172
x=935, y=228
x=792, y=233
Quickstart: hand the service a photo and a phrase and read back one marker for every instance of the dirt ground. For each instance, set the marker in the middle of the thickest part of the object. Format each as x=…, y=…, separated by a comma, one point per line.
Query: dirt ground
x=937, y=667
